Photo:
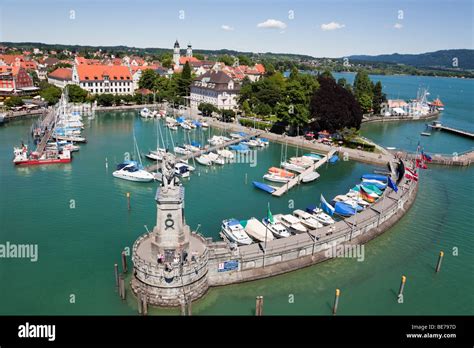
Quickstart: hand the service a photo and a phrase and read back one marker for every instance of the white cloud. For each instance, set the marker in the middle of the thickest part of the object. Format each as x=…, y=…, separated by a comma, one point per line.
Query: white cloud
x=272, y=24
x=398, y=26
x=332, y=26
x=227, y=27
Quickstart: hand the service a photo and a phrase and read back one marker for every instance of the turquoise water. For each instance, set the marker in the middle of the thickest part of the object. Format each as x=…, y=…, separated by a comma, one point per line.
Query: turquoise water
x=78, y=247
x=457, y=96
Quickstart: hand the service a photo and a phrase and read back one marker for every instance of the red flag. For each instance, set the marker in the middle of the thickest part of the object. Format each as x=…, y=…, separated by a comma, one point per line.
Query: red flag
x=420, y=164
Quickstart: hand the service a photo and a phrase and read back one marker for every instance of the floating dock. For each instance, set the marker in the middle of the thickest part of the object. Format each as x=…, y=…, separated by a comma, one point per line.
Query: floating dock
x=154, y=167
x=460, y=132
x=297, y=179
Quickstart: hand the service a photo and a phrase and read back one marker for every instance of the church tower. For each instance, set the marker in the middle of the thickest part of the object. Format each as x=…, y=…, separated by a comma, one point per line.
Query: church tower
x=189, y=51
x=176, y=53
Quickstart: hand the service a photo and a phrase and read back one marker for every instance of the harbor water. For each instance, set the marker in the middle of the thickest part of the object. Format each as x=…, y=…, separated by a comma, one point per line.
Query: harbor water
x=77, y=215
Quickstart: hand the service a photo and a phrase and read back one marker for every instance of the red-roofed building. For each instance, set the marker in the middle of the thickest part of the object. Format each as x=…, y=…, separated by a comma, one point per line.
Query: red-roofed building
x=60, y=77
x=15, y=79
x=184, y=60
x=99, y=79
x=85, y=61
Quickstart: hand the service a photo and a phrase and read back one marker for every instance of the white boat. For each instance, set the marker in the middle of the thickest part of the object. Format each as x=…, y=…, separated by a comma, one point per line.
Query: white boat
x=234, y=231
x=204, y=125
x=275, y=178
x=258, y=231
x=145, y=112
x=181, y=150
x=190, y=124
x=132, y=172
x=205, y=160
x=172, y=126
x=154, y=113
x=263, y=141
x=188, y=166
x=292, y=223
x=310, y=177
x=322, y=217
x=307, y=219
x=185, y=126
x=192, y=148
x=356, y=197
x=182, y=170
x=303, y=161
x=156, y=155
x=226, y=154
x=347, y=200
x=276, y=228
x=217, y=140
x=293, y=167
x=251, y=143
x=216, y=158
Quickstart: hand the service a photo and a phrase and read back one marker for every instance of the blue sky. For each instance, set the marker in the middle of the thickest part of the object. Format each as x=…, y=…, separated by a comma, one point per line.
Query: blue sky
x=351, y=26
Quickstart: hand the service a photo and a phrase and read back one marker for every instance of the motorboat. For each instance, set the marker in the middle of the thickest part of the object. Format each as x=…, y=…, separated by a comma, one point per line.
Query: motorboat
x=237, y=135
x=234, y=231
x=258, y=231
x=251, y=143
x=292, y=223
x=181, y=170
x=188, y=166
x=356, y=196
x=204, y=125
x=275, y=178
x=313, y=156
x=349, y=201
x=181, y=150
x=307, y=219
x=320, y=215
x=281, y=172
x=185, y=126
x=302, y=161
x=192, y=148
x=276, y=228
x=226, y=154
x=264, y=187
x=379, y=184
x=71, y=138
x=239, y=148
x=205, y=160
x=21, y=157
x=145, y=113
x=293, y=167
x=131, y=171
x=172, y=126
x=216, y=158
x=310, y=177
x=156, y=155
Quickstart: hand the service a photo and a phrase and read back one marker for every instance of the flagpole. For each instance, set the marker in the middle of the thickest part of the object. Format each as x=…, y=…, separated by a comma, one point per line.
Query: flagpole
x=266, y=233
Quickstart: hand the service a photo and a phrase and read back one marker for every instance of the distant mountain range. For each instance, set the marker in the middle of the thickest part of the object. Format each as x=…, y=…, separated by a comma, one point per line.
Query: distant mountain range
x=439, y=59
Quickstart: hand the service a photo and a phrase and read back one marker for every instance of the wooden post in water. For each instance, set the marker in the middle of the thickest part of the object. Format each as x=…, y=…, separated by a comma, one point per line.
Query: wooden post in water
x=139, y=303
x=116, y=275
x=128, y=200
x=259, y=306
x=402, y=285
x=183, y=307
x=145, y=304
x=190, y=309
x=440, y=259
x=124, y=262
x=122, y=287
x=336, y=302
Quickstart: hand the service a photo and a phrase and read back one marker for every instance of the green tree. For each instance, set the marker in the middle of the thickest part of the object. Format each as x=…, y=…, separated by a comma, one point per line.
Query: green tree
x=105, y=99
x=246, y=108
x=365, y=102
x=76, y=94
x=184, y=81
x=327, y=74
x=51, y=94
x=148, y=79
x=226, y=59
x=167, y=63
x=227, y=115
x=13, y=101
x=379, y=98
x=363, y=91
x=244, y=60
x=198, y=56
x=207, y=109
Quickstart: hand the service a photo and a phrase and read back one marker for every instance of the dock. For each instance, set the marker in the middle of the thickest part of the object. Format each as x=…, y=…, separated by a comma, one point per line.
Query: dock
x=297, y=179
x=153, y=168
x=47, y=126
x=462, y=159
x=452, y=130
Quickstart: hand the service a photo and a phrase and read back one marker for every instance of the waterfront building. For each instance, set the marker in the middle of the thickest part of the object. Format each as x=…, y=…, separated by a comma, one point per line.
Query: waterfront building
x=60, y=77
x=100, y=79
x=15, y=80
x=216, y=88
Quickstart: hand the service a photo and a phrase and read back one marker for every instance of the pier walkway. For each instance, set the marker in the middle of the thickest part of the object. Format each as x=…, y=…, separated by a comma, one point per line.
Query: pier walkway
x=452, y=130
x=297, y=179
x=46, y=125
x=154, y=167
x=465, y=158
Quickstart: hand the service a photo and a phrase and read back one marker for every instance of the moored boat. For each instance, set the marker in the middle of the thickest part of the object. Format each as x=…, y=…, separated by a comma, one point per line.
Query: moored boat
x=258, y=231
x=307, y=219
x=234, y=231
x=132, y=171
x=276, y=228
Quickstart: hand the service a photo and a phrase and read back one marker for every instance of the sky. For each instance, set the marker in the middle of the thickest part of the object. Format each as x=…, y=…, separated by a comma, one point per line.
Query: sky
x=326, y=28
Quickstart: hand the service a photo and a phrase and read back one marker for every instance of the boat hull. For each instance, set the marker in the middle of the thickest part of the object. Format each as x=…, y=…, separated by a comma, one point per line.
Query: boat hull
x=40, y=162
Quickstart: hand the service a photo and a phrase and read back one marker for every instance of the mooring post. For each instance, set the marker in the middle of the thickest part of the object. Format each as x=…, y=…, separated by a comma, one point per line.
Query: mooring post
x=336, y=301
x=402, y=285
x=139, y=303
x=190, y=309
x=440, y=259
x=145, y=304
x=128, y=200
x=122, y=287
x=116, y=275
x=259, y=306
x=124, y=262
x=183, y=308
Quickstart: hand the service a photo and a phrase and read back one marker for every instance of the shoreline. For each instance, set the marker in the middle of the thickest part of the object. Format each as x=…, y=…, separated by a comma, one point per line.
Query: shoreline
x=374, y=119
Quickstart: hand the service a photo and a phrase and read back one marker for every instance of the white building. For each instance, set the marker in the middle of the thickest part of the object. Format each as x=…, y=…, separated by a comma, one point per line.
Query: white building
x=176, y=53
x=60, y=77
x=99, y=79
x=216, y=88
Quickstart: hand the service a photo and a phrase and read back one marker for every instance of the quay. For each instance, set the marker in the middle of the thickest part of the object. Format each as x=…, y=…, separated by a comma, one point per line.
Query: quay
x=462, y=159
x=193, y=154
x=439, y=126
x=46, y=126
x=297, y=179
x=380, y=118
x=174, y=266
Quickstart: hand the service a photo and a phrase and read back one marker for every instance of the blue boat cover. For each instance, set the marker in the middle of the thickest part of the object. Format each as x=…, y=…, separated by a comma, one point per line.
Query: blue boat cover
x=233, y=222
x=263, y=186
x=334, y=159
x=180, y=119
x=197, y=123
x=344, y=209
x=195, y=143
x=310, y=208
x=378, y=177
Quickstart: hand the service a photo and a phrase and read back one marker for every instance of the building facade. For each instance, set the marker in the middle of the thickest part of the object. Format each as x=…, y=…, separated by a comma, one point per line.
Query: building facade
x=100, y=79
x=60, y=77
x=216, y=88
